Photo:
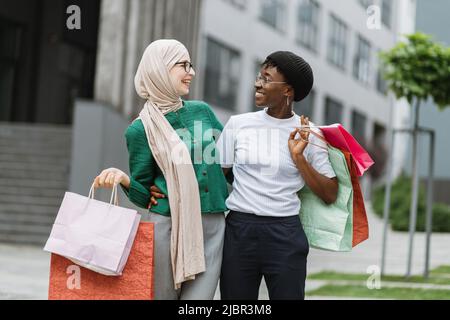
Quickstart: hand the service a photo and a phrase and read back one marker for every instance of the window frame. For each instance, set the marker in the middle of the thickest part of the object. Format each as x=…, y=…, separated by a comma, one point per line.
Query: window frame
x=363, y=50
x=337, y=40
x=232, y=78
x=332, y=102
x=281, y=14
x=309, y=28
x=386, y=13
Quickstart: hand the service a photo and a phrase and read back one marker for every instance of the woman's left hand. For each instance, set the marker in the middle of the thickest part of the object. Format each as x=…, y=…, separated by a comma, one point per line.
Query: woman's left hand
x=155, y=194
x=298, y=146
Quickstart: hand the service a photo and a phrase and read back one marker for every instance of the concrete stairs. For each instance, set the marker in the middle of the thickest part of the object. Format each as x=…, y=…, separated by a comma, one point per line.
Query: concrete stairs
x=34, y=174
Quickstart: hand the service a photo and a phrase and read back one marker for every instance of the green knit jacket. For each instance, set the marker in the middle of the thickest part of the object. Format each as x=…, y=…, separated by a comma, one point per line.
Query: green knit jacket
x=144, y=172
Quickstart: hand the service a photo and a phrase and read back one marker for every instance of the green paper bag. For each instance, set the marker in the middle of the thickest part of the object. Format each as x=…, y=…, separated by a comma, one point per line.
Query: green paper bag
x=330, y=227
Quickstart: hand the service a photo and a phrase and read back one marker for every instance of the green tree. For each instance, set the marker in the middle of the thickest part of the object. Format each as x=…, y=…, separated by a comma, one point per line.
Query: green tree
x=417, y=69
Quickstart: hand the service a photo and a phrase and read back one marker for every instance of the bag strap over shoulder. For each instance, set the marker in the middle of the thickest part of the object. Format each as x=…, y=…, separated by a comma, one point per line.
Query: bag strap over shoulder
x=308, y=129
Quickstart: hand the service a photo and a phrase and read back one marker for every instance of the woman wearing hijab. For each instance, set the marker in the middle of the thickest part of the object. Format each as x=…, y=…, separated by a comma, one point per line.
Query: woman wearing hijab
x=166, y=151
x=263, y=235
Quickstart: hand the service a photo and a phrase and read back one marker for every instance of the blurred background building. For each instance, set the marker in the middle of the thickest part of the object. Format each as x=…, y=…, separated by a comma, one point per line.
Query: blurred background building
x=333, y=36
x=432, y=18
x=67, y=96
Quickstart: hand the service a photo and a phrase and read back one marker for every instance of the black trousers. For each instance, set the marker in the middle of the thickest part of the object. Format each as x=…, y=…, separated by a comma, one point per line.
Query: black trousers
x=256, y=246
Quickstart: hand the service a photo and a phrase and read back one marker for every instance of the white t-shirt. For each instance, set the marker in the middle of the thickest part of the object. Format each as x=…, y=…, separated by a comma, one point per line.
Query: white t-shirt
x=266, y=179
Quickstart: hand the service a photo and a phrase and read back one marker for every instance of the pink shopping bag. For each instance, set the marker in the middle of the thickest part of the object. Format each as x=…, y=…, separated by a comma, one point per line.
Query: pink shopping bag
x=94, y=234
x=338, y=137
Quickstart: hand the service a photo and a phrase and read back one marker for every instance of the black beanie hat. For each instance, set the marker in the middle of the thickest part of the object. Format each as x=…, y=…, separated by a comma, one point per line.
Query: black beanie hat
x=296, y=70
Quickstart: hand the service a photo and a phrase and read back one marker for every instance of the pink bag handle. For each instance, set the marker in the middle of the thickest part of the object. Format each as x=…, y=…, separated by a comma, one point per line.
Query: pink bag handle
x=315, y=134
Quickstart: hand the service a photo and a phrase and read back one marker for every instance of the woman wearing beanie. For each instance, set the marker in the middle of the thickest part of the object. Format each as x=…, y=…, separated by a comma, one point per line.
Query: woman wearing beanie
x=164, y=151
x=270, y=164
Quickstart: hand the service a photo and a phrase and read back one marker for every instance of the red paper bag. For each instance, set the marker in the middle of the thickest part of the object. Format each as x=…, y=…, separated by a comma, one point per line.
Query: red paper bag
x=69, y=281
x=360, y=223
x=338, y=137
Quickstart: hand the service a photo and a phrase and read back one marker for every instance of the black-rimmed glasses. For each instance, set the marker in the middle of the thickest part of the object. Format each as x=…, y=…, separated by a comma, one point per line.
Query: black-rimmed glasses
x=187, y=66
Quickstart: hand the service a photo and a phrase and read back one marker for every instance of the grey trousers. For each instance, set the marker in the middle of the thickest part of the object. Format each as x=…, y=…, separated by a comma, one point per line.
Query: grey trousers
x=205, y=284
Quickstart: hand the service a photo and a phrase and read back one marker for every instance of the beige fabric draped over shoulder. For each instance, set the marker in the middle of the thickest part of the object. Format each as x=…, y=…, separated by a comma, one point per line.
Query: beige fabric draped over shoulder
x=154, y=83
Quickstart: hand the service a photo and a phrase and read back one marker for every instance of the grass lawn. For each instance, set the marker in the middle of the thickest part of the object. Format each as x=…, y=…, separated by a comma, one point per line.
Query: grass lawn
x=327, y=275
x=384, y=293
x=441, y=270
x=438, y=276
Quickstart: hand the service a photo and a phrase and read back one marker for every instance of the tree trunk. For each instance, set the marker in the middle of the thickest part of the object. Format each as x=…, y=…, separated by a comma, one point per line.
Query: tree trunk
x=415, y=188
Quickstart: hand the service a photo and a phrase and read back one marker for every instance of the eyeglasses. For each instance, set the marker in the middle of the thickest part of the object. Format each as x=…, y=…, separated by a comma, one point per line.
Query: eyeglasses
x=266, y=81
x=187, y=66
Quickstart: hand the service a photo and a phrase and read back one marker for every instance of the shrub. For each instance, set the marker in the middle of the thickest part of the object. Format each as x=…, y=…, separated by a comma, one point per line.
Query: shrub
x=400, y=206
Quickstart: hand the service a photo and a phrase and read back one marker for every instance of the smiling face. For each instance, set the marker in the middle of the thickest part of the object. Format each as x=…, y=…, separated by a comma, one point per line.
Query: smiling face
x=180, y=78
x=274, y=92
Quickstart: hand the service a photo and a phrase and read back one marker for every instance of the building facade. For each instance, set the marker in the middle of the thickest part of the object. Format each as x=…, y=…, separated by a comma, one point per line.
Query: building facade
x=45, y=65
x=340, y=39
x=67, y=96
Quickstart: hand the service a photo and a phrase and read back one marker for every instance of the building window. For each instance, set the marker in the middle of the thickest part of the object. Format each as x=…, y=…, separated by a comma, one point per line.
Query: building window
x=308, y=24
x=379, y=135
x=378, y=151
x=306, y=106
x=381, y=83
x=241, y=4
x=361, y=66
x=386, y=12
x=273, y=12
x=366, y=3
x=222, y=75
x=359, y=123
x=337, y=42
x=333, y=111
x=10, y=40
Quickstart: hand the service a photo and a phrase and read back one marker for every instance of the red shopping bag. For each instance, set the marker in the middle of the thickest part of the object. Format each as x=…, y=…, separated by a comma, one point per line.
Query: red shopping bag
x=69, y=281
x=338, y=137
x=360, y=223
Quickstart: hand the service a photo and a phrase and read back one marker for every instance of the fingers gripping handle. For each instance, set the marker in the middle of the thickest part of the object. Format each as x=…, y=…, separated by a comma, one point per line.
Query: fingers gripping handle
x=114, y=194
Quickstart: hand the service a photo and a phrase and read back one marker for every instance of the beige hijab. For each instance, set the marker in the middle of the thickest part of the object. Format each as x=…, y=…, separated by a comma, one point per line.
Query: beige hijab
x=153, y=83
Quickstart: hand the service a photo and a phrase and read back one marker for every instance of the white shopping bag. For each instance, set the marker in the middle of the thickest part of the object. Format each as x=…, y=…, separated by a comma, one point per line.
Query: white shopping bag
x=94, y=234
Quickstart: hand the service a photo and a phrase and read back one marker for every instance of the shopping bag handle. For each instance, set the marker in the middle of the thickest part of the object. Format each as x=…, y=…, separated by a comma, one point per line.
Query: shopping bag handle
x=113, y=194
x=308, y=129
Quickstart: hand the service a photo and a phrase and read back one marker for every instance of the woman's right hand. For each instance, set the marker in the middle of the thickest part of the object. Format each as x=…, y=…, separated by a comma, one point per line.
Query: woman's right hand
x=110, y=177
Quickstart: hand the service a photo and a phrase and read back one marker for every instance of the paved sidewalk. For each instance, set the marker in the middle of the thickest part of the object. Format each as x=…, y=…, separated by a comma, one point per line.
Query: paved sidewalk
x=24, y=271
